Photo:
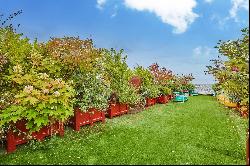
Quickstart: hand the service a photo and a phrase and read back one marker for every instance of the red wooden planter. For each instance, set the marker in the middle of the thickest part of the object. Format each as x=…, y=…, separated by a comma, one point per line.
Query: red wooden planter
x=117, y=109
x=163, y=99
x=150, y=101
x=84, y=118
x=14, y=139
x=170, y=97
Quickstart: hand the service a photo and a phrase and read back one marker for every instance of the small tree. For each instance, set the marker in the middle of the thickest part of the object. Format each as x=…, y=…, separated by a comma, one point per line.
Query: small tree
x=233, y=74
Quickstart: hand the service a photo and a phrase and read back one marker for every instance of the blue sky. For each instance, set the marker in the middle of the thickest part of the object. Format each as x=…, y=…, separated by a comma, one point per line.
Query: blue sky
x=179, y=34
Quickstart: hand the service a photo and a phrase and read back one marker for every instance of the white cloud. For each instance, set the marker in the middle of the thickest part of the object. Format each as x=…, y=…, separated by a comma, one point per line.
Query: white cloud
x=236, y=6
x=100, y=3
x=178, y=13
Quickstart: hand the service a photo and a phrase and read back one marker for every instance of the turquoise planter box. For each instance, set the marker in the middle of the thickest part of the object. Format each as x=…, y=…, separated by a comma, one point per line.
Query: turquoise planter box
x=180, y=98
x=178, y=93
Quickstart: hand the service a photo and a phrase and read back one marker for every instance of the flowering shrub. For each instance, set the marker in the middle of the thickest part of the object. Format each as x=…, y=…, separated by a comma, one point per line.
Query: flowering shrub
x=148, y=87
x=43, y=100
x=182, y=82
x=13, y=50
x=83, y=64
x=92, y=91
x=31, y=90
x=118, y=73
x=232, y=75
x=162, y=77
x=74, y=54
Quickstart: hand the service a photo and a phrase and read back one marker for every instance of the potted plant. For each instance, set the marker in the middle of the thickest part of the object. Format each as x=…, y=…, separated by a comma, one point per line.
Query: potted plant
x=232, y=74
x=36, y=101
x=119, y=75
x=91, y=101
x=39, y=110
x=149, y=89
x=83, y=65
x=164, y=95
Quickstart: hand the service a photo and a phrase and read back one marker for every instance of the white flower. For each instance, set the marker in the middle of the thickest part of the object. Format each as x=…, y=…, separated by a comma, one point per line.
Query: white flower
x=17, y=69
x=45, y=91
x=56, y=93
x=58, y=80
x=28, y=89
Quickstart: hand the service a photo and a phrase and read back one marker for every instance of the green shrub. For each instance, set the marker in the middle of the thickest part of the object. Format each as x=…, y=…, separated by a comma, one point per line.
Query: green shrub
x=164, y=90
x=149, y=88
x=118, y=73
x=31, y=89
x=232, y=74
x=92, y=91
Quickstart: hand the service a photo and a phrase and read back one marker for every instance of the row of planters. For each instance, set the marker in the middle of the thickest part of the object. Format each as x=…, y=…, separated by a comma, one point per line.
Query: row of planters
x=231, y=72
x=68, y=81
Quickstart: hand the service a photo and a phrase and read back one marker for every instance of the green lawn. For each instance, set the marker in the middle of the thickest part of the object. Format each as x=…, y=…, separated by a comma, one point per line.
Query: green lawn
x=199, y=131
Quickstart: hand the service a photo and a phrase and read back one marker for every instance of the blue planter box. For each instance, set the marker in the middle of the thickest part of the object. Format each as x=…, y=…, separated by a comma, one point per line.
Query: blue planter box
x=180, y=98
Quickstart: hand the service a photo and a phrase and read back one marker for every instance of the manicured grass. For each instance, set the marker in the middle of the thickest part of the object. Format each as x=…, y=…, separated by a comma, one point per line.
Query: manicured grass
x=199, y=131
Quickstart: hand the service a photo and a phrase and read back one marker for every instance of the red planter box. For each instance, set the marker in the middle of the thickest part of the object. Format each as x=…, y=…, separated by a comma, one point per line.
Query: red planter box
x=84, y=118
x=170, y=97
x=163, y=99
x=117, y=109
x=150, y=101
x=14, y=139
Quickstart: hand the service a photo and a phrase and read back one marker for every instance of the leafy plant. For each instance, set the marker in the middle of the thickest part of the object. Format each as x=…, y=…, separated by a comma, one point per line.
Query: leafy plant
x=182, y=82
x=31, y=89
x=43, y=100
x=149, y=88
x=232, y=74
x=162, y=78
x=164, y=90
x=189, y=86
x=92, y=91
x=74, y=54
x=118, y=73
